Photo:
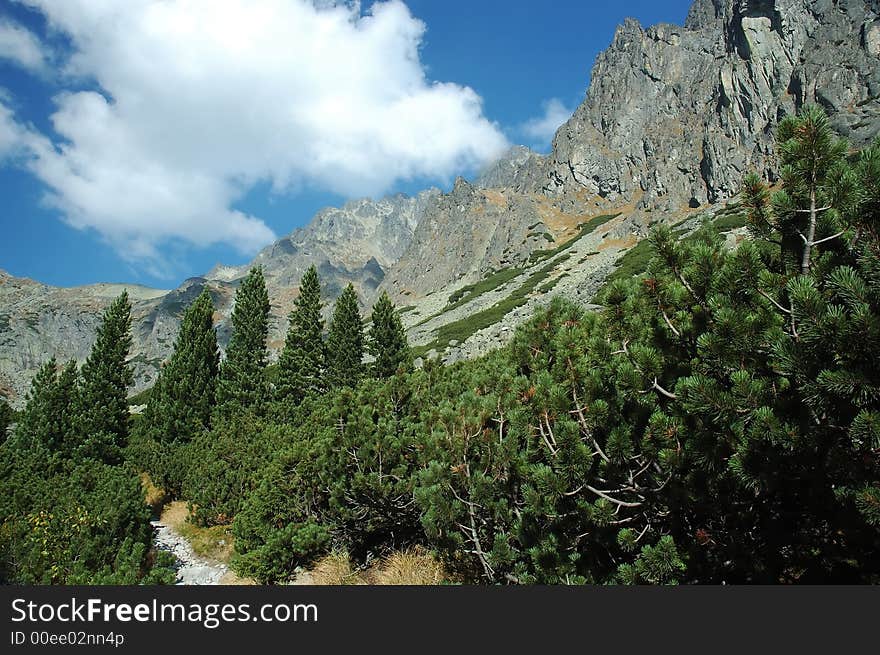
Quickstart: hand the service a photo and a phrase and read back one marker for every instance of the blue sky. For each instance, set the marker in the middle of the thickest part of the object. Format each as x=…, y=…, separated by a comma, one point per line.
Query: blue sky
x=132, y=150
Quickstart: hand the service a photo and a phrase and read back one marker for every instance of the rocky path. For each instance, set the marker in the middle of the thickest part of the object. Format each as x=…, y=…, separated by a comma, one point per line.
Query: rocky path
x=191, y=569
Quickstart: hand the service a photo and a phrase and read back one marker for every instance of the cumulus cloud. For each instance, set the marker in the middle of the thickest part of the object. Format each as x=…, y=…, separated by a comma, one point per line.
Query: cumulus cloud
x=20, y=46
x=543, y=128
x=195, y=101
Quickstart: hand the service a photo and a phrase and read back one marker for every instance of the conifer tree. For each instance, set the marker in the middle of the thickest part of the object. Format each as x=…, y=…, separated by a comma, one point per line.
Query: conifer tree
x=35, y=425
x=345, y=342
x=102, y=405
x=834, y=359
x=180, y=406
x=185, y=397
x=5, y=419
x=804, y=213
x=64, y=405
x=301, y=364
x=242, y=383
x=387, y=339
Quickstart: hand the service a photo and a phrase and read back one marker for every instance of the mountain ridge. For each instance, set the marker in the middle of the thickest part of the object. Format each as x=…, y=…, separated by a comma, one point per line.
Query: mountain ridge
x=672, y=120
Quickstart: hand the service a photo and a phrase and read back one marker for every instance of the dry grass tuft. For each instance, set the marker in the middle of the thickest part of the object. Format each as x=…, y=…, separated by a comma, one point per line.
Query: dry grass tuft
x=231, y=578
x=175, y=515
x=411, y=567
x=626, y=242
x=335, y=569
x=154, y=496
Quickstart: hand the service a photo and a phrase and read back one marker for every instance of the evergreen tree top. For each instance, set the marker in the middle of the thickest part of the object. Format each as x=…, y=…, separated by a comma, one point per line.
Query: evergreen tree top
x=309, y=289
x=102, y=400
x=301, y=364
x=250, y=318
x=242, y=381
x=345, y=341
x=387, y=341
x=808, y=146
x=113, y=341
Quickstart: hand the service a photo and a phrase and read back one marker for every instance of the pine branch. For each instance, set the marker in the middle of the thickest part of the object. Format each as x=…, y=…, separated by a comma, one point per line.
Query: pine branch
x=553, y=451
x=680, y=276
x=642, y=534
x=833, y=236
x=475, y=537
x=601, y=494
x=669, y=323
x=583, y=421
x=768, y=297
x=807, y=211
x=550, y=430
x=623, y=350
x=663, y=391
x=668, y=394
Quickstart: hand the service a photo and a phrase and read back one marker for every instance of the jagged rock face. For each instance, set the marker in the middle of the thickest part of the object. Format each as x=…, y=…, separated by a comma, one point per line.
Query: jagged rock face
x=511, y=170
x=674, y=118
x=466, y=232
x=360, y=239
x=356, y=243
x=678, y=115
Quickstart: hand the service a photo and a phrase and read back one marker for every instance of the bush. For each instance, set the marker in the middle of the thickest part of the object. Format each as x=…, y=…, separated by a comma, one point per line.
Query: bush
x=224, y=465
x=89, y=526
x=348, y=469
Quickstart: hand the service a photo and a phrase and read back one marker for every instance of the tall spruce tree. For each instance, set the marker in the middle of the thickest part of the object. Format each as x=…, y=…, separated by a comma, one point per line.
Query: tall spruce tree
x=187, y=392
x=242, y=383
x=102, y=406
x=64, y=406
x=386, y=340
x=183, y=398
x=301, y=365
x=345, y=342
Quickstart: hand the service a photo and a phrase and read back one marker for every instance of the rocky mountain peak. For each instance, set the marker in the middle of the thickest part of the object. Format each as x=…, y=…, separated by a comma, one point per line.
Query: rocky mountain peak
x=676, y=116
x=704, y=13
x=673, y=119
x=509, y=169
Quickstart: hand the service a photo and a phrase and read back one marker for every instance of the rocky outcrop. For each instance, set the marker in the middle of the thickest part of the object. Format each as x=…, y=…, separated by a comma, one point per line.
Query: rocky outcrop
x=673, y=119
x=359, y=240
x=466, y=233
x=677, y=115
x=512, y=170
x=38, y=321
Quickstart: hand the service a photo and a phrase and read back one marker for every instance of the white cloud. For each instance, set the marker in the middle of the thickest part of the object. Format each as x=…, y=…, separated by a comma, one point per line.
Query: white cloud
x=201, y=99
x=543, y=128
x=20, y=46
x=11, y=133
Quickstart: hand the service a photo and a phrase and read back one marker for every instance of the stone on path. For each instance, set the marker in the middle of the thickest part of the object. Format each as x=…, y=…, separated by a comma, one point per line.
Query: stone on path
x=191, y=569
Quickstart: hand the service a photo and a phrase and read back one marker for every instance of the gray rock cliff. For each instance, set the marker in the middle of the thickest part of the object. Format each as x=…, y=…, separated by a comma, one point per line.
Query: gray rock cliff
x=676, y=115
